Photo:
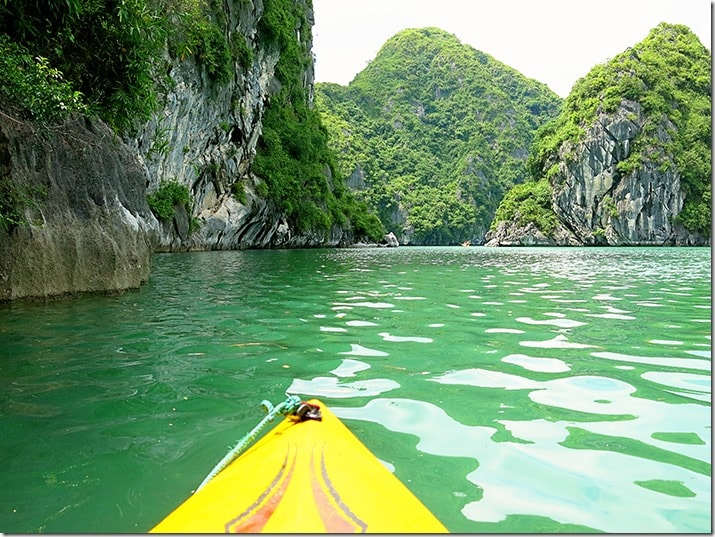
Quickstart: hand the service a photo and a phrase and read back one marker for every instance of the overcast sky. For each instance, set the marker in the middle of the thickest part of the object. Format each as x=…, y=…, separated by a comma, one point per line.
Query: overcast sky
x=553, y=41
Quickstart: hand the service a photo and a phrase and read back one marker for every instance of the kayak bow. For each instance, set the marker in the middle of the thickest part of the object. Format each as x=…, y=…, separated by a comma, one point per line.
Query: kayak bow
x=304, y=476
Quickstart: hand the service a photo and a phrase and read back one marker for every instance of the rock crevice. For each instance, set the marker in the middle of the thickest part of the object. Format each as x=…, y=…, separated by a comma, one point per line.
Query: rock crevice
x=601, y=199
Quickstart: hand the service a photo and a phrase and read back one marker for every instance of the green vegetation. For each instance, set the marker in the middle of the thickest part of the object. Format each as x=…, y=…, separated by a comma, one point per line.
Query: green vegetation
x=61, y=56
x=34, y=85
x=668, y=73
x=439, y=130
x=14, y=200
x=104, y=51
x=526, y=203
x=200, y=31
x=170, y=194
x=293, y=155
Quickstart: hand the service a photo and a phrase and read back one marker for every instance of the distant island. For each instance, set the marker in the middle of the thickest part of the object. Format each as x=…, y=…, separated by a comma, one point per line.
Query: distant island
x=450, y=146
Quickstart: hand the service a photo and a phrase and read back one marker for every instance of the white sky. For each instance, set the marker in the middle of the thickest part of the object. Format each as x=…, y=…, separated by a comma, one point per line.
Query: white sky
x=553, y=41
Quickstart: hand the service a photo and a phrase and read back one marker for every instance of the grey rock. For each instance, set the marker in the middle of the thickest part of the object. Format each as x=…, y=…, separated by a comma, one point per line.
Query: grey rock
x=597, y=203
x=89, y=226
x=391, y=241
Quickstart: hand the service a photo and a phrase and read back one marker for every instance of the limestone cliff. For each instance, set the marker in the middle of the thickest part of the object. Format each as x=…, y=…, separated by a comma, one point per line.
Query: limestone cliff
x=89, y=227
x=85, y=222
x=597, y=204
x=205, y=138
x=628, y=160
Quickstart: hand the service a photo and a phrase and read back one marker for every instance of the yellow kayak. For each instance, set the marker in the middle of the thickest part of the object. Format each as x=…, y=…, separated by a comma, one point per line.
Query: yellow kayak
x=304, y=476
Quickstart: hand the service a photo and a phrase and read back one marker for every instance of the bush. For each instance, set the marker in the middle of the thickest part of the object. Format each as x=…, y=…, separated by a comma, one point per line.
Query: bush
x=105, y=51
x=170, y=194
x=696, y=215
x=528, y=202
x=199, y=34
x=32, y=85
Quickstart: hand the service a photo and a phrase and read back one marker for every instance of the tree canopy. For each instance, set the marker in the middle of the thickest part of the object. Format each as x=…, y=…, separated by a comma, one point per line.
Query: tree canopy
x=439, y=131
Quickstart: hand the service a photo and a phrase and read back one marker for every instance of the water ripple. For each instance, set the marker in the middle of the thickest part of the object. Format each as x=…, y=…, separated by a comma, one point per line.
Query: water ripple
x=524, y=389
x=333, y=388
x=544, y=365
x=558, y=342
x=359, y=350
x=688, y=363
x=402, y=339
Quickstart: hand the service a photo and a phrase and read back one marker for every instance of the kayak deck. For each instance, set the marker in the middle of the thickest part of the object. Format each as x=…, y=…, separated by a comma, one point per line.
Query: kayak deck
x=304, y=477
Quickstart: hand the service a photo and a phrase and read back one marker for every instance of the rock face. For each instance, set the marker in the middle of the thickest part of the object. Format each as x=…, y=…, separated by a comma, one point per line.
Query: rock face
x=93, y=230
x=512, y=234
x=391, y=241
x=83, y=193
x=205, y=138
x=599, y=203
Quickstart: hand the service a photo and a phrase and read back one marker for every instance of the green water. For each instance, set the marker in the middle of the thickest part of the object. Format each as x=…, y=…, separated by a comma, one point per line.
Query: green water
x=512, y=390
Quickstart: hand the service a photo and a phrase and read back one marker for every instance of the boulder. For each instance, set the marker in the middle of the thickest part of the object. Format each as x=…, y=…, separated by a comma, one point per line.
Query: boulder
x=391, y=241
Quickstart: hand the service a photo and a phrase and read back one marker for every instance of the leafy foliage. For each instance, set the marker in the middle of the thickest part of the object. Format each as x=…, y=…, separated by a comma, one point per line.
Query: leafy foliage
x=35, y=86
x=438, y=130
x=109, y=53
x=293, y=155
x=668, y=73
x=166, y=197
x=200, y=31
x=697, y=215
x=526, y=203
x=104, y=50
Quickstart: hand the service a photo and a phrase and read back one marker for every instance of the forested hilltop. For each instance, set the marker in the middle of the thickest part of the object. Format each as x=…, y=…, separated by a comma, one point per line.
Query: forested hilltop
x=432, y=133
x=628, y=160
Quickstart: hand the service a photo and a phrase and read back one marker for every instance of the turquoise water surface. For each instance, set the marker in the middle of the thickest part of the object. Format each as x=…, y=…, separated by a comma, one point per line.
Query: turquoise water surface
x=512, y=390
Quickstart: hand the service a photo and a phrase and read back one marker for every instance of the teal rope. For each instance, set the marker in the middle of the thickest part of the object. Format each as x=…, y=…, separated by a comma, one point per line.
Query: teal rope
x=289, y=406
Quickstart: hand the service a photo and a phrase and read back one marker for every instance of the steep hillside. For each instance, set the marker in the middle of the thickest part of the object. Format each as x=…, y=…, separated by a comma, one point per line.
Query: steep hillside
x=212, y=131
x=628, y=161
x=432, y=133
